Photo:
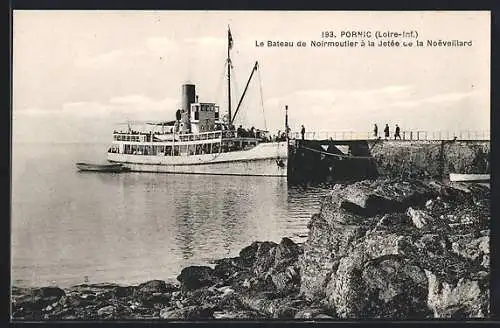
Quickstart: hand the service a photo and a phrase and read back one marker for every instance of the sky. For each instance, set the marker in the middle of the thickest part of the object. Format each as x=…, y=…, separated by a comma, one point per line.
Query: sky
x=78, y=74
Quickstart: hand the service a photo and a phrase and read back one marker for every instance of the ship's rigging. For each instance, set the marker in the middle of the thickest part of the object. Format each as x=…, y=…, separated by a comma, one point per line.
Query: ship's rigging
x=229, y=67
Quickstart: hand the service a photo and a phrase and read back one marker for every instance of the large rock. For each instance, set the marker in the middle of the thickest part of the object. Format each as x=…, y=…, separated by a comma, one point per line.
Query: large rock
x=457, y=193
x=205, y=296
x=308, y=313
x=381, y=243
x=367, y=249
x=286, y=252
x=432, y=245
x=187, y=313
x=154, y=291
x=230, y=270
x=467, y=298
x=361, y=200
x=369, y=198
x=256, y=250
x=237, y=315
x=107, y=312
x=194, y=277
x=270, y=307
x=37, y=299
x=152, y=286
x=74, y=300
x=48, y=292
x=264, y=260
x=325, y=245
x=264, y=256
x=395, y=289
x=123, y=291
x=419, y=218
x=264, y=266
x=387, y=287
x=345, y=289
x=287, y=279
x=285, y=272
x=394, y=220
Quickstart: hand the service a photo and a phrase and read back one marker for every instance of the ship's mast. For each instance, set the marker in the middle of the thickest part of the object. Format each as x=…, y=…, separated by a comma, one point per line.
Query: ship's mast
x=229, y=46
x=286, y=121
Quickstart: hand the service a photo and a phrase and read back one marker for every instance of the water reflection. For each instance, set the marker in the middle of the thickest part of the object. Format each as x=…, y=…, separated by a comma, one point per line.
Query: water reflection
x=131, y=227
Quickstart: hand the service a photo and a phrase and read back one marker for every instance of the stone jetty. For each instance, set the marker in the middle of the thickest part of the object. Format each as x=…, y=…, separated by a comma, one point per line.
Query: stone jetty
x=379, y=248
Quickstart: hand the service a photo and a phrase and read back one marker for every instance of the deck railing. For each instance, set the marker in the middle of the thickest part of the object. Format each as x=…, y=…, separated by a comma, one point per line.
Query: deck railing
x=405, y=135
x=200, y=136
x=149, y=137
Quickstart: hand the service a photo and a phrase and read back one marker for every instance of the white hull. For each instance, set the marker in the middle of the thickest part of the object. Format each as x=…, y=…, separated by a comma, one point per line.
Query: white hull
x=258, y=161
x=456, y=177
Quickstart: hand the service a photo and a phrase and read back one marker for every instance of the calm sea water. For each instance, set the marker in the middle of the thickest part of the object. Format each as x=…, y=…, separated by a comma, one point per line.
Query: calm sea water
x=69, y=227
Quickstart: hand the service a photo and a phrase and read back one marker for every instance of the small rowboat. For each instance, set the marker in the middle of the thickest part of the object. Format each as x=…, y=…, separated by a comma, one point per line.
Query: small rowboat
x=456, y=177
x=112, y=167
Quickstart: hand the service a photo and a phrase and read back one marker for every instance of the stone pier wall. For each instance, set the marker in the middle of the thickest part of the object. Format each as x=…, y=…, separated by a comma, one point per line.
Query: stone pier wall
x=430, y=159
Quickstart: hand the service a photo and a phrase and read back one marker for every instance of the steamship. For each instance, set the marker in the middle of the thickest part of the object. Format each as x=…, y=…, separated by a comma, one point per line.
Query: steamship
x=202, y=141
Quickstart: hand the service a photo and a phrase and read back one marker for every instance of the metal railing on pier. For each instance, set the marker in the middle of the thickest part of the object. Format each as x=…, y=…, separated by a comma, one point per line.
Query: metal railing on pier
x=405, y=135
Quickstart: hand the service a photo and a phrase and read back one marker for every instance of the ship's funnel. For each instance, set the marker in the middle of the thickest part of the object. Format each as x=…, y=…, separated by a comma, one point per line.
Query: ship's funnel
x=188, y=97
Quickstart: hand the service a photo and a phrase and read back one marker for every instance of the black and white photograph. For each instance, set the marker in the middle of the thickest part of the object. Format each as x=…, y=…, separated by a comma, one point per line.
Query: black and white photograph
x=173, y=165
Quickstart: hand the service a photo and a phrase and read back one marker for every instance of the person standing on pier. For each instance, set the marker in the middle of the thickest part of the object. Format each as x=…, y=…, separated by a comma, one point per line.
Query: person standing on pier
x=386, y=131
x=375, y=130
x=303, y=132
x=397, y=133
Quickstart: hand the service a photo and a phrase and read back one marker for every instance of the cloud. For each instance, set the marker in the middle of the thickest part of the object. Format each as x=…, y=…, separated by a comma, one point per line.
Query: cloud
x=114, y=59
x=160, y=46
x=88, y=120
x=206, y=41
x=100, y=60
x=449, y=97
x=392, y=89
x=343, y=98
x=71, y=109
x=341, y=109
x=85, y=109
x=405, y=103
x=130, y=106
x=153, y=46
x=436, y=100
x=135, y=103
x=31, y=111
x=327, y=95
x=390, y=96
x=130, y=99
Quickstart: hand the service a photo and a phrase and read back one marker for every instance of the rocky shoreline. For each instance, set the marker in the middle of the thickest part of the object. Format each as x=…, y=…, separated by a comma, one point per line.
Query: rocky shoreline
x=376, y=249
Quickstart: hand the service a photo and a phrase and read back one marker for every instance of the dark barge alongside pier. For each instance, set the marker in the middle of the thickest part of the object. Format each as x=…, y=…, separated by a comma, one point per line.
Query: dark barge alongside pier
x=329, y=160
